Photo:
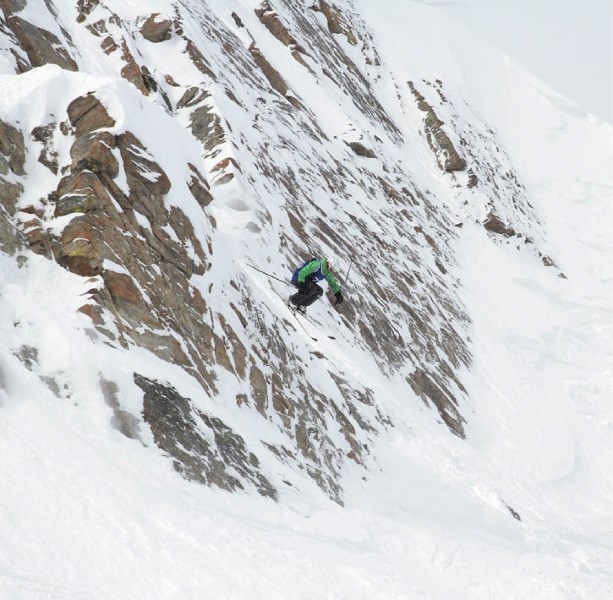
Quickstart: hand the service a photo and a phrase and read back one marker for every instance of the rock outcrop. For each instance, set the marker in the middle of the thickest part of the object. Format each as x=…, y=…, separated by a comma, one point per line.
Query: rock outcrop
x=218, y=457
x=336, y=22
x=12, y=161
x=272, y=75
x=87, y=114
x=41, y=46
x=12, y=150
x=446, y=154
x=156, y=28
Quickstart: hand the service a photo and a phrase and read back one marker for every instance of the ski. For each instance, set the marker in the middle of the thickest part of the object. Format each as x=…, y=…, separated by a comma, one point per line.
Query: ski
x=296, y=313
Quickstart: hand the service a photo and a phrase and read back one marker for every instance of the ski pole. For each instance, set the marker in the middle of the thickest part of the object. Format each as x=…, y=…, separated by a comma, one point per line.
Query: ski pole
x=349, y=269
x=268, y=274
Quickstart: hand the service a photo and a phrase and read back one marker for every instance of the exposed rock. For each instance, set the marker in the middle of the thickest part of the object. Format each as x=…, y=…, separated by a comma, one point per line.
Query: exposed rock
x=442, y=145
x=149, y=79
x=80, y=249
x=238, y=351
x=178, y=24
x=11, y=240
x=21, y=64
x=361, y=150
x=206, y=127
x=53, y=385
x=10, y=7
x=87, y=114
x=156, y=28
x=147, y=181
x=28, y=356
x=199, y=188
x=9, y=194
x=122, y=420
x=223, y=179
x=274, y=77
x=126, y=296
x=131, y=70
x=336, y=22
x=94, y=312
x=297, y=55
x=446, y=154
x=41, y=46
x=85, y=8
x=93, y=152
x=79, y=193
x=494, y=224
x=270, y=19
x=98, y=28
x=224, y=164
x=12, y=150
x=192, y=96
x=336, y=64
x=12, y=160
x=157, y=264
x=198, y=59
x=548, y=261
x=391, y=192
x=473, y=180
x=47, y=156
x=203, y=448
x=426, y=387
x=109, y=45
x=259, y=389
x=36, y=239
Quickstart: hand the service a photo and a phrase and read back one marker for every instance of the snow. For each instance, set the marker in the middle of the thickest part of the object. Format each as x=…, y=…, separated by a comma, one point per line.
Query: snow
x=87, y=513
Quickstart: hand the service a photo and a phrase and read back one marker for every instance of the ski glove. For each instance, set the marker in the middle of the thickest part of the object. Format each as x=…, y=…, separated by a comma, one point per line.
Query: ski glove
x=339, y=297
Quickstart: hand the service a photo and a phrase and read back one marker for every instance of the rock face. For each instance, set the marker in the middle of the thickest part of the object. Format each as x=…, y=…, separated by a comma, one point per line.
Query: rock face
x=272, y=75
x=12, y=150
x=336, y=22
x=156, y=29
x=132, y=230
x=361, y=150
x=219, y=459
x=446, y=154
x=496, y=197
x=47, y=156
x=12, y=160
x=10, y=7
x=42, y=47
x=86, y=114
x=159, y=188
x=273, y=23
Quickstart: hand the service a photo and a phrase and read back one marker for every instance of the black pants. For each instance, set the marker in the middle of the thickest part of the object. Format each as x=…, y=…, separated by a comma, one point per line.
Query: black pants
x=310, y=292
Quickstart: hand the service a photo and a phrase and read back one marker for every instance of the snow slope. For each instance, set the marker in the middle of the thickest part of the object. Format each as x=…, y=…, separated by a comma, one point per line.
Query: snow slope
x=521, y=508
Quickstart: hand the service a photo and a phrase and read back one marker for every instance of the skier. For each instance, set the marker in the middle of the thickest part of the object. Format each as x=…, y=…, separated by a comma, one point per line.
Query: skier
x=304, y=278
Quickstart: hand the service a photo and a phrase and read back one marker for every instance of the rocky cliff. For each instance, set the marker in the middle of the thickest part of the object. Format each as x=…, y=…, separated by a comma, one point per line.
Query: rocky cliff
x=159, y=151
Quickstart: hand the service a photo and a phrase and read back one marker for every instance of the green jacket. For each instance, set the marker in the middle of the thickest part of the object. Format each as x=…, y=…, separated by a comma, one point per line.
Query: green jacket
x=316, y=269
